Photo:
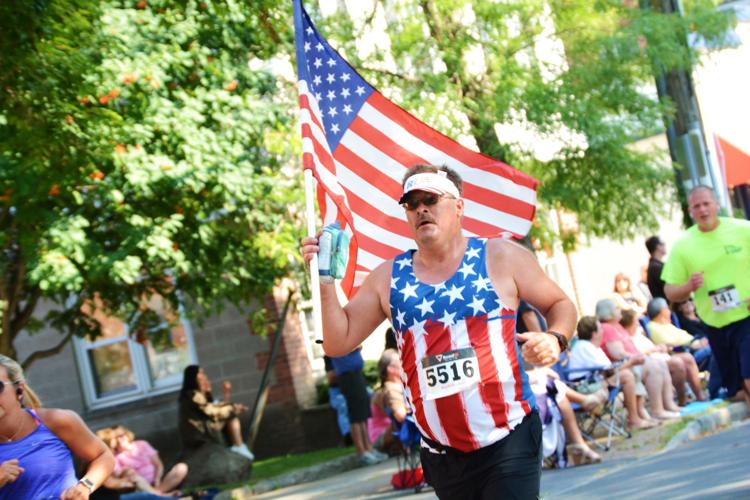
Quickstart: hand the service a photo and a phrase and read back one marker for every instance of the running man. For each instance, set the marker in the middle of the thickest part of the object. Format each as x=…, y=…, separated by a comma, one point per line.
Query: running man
x=712, y=260
x=452, y=304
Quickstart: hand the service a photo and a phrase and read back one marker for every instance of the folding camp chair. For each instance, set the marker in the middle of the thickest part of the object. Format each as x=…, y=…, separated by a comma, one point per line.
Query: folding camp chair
x=410, y=472
x=611, y=418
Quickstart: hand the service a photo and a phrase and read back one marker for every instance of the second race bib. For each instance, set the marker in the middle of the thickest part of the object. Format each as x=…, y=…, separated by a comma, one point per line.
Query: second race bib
x=450, y=372
x=724, y=299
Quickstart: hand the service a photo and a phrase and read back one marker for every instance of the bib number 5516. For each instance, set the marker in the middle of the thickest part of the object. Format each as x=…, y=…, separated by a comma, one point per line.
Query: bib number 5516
x=450, y=372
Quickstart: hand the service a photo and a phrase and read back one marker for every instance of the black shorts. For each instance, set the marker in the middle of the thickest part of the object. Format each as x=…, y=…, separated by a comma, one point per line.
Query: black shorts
x=730, y=346
x=354, y=388
x=508, y=469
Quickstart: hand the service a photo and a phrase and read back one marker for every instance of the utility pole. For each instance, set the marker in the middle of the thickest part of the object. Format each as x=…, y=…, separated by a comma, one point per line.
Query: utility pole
x=685, y=133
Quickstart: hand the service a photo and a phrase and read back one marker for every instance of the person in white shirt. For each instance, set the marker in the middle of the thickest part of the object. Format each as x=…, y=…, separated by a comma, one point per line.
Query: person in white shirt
x=586, y=353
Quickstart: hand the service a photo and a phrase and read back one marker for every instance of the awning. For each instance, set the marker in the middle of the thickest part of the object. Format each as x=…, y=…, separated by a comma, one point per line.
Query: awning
x=735, y=161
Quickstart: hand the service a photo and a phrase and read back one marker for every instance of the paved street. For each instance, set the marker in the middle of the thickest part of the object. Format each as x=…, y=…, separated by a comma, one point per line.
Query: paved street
x=717, y=466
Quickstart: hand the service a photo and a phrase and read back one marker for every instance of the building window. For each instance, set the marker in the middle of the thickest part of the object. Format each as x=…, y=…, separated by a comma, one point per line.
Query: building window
x=116, y=368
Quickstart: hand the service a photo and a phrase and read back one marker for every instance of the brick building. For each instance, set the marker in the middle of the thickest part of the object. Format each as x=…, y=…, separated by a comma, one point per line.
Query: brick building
x=116, y=380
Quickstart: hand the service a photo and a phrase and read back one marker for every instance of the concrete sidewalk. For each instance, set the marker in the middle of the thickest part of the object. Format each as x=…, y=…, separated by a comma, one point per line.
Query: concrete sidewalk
x=377, y=477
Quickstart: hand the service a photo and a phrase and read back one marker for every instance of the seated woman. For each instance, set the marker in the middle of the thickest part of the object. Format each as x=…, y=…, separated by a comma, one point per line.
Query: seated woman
x=586, y=353
x=663, y=332
x=545, y=384
x=388, y=401
x=202, y=426
x=138, y=463
x=669, y=409
x=625, y=297
x=618, y=345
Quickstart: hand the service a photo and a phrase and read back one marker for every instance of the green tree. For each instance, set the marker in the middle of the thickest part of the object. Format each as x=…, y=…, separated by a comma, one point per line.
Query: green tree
x=578, y=74
x=142, y=152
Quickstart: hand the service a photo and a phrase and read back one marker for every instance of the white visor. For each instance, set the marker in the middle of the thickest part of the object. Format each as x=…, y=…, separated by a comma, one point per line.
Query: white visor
x=437, y=183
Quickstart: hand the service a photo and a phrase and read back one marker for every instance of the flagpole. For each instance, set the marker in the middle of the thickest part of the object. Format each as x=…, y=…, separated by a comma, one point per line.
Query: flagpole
x=314, y=276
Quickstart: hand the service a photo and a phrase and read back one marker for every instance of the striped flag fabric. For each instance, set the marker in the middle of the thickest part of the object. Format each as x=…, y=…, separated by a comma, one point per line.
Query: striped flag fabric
x=358, y=145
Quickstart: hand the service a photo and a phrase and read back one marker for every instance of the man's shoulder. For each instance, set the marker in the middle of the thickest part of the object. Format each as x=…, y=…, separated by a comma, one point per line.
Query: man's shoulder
x=686, y=242
x=504, y=248
x=735, y=224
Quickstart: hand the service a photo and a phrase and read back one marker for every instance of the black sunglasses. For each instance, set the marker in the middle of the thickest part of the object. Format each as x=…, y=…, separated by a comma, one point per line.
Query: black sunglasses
x=427, y=200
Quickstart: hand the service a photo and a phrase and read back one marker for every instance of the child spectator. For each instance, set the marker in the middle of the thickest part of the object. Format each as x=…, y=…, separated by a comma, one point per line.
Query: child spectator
x=139, y=462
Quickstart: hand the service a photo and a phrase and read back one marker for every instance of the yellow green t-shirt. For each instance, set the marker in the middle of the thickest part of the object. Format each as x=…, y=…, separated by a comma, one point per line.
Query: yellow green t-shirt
x=724, y=257
x=668, y=334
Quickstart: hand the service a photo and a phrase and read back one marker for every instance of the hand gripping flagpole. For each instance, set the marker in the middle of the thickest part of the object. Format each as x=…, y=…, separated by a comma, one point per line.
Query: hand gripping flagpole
x=314, y=276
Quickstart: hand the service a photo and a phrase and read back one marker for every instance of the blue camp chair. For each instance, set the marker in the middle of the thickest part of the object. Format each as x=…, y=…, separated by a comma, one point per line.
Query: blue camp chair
x=611, y=418
x=408, y=460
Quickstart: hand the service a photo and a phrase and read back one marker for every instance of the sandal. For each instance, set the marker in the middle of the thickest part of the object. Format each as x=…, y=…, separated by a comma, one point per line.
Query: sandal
x=581, y=454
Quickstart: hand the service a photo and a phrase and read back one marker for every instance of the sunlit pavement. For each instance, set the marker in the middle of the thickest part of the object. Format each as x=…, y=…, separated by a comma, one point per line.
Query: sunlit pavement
x=717, y=466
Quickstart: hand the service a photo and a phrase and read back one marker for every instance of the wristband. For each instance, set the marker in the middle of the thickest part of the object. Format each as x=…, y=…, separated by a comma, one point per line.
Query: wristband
x=87, y=483
x=562, y=340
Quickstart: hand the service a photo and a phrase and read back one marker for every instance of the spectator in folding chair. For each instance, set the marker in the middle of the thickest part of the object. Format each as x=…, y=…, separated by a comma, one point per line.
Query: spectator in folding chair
x=388, y=405
x=625, y=297
x=617, y=344
x=559, y=424
x=661, y=353
x=663, y=332
x=587, y=354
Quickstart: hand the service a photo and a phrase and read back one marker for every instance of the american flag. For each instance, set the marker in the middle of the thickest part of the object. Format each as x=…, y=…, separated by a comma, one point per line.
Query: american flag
x=358, y=145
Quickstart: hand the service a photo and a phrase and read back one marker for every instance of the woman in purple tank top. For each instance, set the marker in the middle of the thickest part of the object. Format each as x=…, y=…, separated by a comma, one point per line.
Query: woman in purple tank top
x=37, y=445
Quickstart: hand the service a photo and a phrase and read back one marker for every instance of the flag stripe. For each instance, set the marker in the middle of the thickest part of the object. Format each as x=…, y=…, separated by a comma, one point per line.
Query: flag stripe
x=450, y=147
x=423, y=146
x=403, y=156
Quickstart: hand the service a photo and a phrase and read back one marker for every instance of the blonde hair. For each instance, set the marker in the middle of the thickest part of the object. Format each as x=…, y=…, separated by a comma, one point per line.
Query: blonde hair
x=107, y=435
x=15, y=374
x=121, y=429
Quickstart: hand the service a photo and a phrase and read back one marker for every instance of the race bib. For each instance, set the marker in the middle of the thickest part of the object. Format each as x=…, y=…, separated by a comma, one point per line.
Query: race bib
x=724, y=299
x=450, y=372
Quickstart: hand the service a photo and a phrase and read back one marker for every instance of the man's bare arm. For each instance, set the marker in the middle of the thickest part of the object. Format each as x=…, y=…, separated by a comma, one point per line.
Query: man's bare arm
x=515, y=270
x=536, y=288
x=344, y=328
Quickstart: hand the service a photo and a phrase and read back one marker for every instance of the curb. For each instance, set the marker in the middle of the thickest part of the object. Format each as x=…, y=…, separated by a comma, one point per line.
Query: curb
x=299, y=476
x=709, y=422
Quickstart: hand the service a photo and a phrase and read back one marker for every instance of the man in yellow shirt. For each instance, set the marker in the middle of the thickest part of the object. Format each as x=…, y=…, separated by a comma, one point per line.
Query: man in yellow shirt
x=712, y=260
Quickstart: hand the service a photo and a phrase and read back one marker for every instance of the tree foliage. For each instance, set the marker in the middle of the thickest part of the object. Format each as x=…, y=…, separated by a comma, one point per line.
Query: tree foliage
x=142, y=146
x=575, y=76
